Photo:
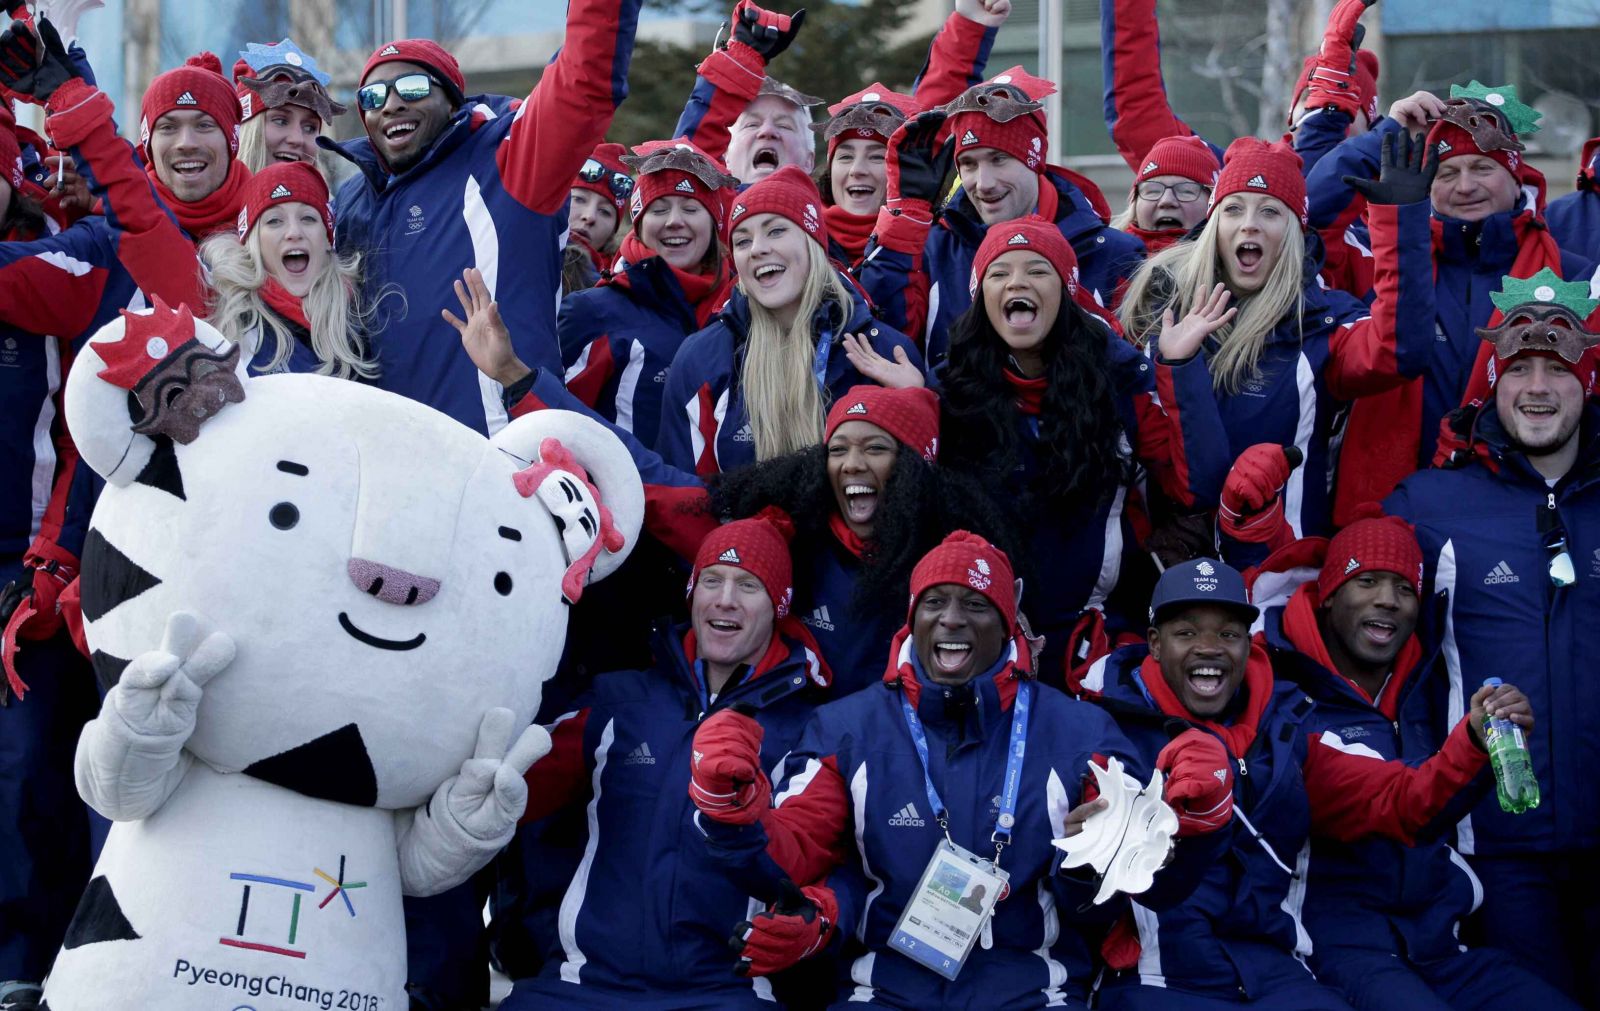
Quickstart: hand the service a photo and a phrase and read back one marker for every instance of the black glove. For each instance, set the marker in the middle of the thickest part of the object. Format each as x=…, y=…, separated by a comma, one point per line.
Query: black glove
x=767, y=32
x=34, y=64
x=1409, y=165
x=916, y=168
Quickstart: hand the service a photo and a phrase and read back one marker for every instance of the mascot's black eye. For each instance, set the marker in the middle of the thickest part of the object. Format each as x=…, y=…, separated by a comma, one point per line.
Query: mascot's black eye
x=284, y=515
x=502, y=583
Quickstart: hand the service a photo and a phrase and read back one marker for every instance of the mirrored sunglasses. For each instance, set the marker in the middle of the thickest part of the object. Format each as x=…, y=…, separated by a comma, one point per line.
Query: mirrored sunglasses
x=620, y=183
x=412, y=87
x=1562, y=572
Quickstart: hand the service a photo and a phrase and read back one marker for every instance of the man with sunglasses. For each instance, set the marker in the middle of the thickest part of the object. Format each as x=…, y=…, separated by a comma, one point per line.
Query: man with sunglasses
x=1511, y=537
x=449, y=182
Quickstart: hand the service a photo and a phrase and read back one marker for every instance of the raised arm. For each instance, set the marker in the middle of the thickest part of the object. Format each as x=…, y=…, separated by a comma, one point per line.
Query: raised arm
x=1136, y=108
x=728, y=79
x=572, y=106
x=960, y=51
x=1394, y=342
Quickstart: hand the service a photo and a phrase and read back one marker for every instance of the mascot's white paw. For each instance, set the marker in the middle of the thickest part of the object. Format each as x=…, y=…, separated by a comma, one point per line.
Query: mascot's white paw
x=160, y=690
x=1128, y=841
x=489, y=794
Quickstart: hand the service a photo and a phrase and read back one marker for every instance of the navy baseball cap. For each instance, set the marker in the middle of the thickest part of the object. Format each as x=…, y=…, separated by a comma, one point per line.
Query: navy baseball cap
x=1201, y=581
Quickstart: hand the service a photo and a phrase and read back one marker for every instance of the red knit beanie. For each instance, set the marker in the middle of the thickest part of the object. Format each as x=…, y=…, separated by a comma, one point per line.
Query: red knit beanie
x=1454, y=142
x=866, y=115
x=424, y=53
x=284, y=183
x=1380, y=544
x=1366, y=83
x=1188, y=157
x=1032, y=233
x=10, y=148
x=788, y=193
x=670, y=182
x=198, y=85
x=1023, y=138
x=968, y=560
x=609, y=158
x=910, y=415
x=760, y=546
x=1251, y=165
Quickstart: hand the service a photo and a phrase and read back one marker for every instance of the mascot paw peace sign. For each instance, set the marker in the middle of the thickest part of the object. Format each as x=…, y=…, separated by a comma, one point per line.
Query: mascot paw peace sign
x=159, y=691
x=489, y=794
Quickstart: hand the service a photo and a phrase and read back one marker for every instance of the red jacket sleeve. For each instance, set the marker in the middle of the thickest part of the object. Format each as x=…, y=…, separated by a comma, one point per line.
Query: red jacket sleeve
x=726, y=82
x=956, y=61
x=561, y=778
x=1355, y=794
x=151, y=246
x=570, y=109
x=1136, y=108
x=807, y=825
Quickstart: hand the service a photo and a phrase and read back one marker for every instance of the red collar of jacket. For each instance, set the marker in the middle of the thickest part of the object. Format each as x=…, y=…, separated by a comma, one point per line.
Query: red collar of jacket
x=1241, y=733
x=1300, y=627
x=903, y=673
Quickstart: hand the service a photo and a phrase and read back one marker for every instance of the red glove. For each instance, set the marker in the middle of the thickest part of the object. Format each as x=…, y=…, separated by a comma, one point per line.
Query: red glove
x=1199, y=781
x=767, y=32
x=794, y=929
x=1333, y=78
x=28, y=607
x=1252, y=503
x=725, y=777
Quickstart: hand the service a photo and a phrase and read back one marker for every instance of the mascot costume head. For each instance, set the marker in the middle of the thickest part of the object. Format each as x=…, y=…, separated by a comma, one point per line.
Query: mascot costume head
x=324, y=613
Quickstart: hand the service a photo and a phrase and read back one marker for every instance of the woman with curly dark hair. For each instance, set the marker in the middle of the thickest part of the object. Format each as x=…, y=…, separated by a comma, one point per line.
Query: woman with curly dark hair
x=1062, y=419
x=867, y=504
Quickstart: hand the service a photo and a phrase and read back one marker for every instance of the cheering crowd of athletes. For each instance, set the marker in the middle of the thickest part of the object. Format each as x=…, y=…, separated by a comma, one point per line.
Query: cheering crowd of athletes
x=1254, y=477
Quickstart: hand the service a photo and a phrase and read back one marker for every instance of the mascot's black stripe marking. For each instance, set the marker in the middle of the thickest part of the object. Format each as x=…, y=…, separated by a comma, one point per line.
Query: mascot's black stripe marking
x=335, y=767
x=372, y=640
x=162, y=470
x=99, y=918
x=290, y=467
x=511, y=533
x=109, y=577
x=107, y=669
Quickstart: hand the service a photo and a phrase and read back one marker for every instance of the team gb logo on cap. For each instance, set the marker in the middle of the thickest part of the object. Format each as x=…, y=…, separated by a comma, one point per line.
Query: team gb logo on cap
x=978, y=574
x=811, y=221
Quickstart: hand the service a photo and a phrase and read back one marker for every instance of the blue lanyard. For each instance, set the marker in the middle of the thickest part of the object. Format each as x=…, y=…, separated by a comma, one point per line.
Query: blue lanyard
x=819, y=361
x=1017, y=746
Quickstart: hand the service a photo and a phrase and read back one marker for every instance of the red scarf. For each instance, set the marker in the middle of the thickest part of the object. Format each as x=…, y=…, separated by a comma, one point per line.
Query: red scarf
x=705, y=292
x=1384, y=434
x=217, y=212
x=1304, y=634
x=1029, y=392
x=1242, y=732
x=850, y=231
x=1155, y=240
x=845, y=536
x=285, y=303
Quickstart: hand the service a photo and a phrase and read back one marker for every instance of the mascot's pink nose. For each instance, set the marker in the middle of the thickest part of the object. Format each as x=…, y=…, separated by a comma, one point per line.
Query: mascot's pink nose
x=397, y=586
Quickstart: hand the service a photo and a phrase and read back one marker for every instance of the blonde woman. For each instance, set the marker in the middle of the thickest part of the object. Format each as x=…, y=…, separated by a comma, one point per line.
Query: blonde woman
x=757, y=382
x=278, y=288
x=1287, y=355
x=285, y=104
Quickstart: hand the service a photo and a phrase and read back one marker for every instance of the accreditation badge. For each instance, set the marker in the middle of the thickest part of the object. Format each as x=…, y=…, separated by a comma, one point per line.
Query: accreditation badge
x=949, y=909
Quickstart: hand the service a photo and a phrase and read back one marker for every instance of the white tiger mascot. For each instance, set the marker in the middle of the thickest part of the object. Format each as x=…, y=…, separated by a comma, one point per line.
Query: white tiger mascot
x=328, y=610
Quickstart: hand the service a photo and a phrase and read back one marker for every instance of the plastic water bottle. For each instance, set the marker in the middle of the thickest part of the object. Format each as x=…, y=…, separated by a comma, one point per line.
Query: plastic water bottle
x=1514, y=780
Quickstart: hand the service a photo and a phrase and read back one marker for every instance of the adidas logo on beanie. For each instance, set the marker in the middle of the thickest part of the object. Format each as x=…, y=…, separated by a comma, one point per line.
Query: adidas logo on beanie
x=278, y=192
x=187, y=98
x=731, y=556
x=1257, y=182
